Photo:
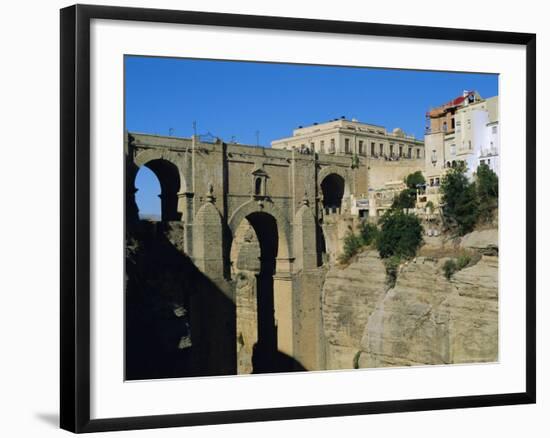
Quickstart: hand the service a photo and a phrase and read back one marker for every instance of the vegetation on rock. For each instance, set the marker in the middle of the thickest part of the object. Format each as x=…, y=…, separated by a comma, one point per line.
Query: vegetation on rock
x=400, y=235
x=487, y=192
x=464, y=260
x=466, y=203
x=353, y=243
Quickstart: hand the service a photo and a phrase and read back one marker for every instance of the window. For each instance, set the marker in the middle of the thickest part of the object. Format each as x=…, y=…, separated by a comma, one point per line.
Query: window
x=470, y=144
x=312, y=146
x=410, y=152
x=453, y=123
x=381, y=149
x=494, y=129
x=453, y=149
x=418, y=153
x=445, y=126
x=482, y=162
x=458, y=125
x=322, y=146
x=346, y=146
x=400, y=150
x=332, y=146
x=372, y=146
x=437, y=181
x=391, y=150
x=469, y=123
x=361, y=151
x=258, y=186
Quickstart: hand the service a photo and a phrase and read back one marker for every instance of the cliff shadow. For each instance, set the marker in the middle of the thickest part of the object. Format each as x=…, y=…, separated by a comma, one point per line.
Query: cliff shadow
x=178, y=322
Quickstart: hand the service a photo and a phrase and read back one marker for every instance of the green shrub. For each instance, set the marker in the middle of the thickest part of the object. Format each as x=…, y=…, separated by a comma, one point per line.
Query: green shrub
x=460, y=199
x=462, y=261
x=449, y=268
x=405, y=199
x=400, y=235
x=415, y=179
x=352, y=245
x=487, y=192
x=368, y=232
x=392, y=268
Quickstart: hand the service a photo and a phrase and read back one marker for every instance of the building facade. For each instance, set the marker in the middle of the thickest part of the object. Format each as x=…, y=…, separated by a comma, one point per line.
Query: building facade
x=384, y=157
x=462, y=130
x=351, y=137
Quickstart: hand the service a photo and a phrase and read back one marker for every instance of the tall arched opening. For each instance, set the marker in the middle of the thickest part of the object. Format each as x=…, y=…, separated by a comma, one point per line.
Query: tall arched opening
x=168, y=177
x=332, y=186
x=263, y=300
x=265, y=350
x=253, y=257
x=147, y=194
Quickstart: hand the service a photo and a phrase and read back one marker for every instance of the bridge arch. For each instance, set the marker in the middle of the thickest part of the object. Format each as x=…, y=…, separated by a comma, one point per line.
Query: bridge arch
x=334, y=185
x=169, y=177
x=264, y=293
x=143, y=156
x=282, y=223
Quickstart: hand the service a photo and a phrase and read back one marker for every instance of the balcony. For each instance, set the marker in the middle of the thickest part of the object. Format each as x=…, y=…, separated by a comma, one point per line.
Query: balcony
x=488, y=153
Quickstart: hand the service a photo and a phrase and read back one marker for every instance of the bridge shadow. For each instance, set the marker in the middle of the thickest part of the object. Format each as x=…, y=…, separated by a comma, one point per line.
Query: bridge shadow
x=265, y=359
x=178, y=322
x=265, y=356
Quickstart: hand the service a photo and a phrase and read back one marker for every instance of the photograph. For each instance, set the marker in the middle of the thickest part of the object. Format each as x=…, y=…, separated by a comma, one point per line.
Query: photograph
x=285, y=218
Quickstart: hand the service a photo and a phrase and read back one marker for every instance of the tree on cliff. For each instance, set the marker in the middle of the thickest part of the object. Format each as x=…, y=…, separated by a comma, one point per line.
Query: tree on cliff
x=460, y=200
x=487, y=192
x=400, y=235
x=407, y=197
x=415, y=179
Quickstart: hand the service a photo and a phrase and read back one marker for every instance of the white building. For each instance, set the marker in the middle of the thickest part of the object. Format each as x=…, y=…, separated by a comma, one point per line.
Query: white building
x=464, y=129
x=476, y=135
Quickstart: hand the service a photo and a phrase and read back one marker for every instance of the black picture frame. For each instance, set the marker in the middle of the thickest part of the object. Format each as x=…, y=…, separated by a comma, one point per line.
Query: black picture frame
x=75, y=217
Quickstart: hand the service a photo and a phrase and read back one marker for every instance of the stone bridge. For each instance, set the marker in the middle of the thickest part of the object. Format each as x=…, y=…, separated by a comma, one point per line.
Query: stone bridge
x=254, y=221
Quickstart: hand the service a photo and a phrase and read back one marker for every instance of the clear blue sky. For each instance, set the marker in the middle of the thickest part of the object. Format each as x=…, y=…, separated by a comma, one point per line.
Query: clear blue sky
x=236, y=99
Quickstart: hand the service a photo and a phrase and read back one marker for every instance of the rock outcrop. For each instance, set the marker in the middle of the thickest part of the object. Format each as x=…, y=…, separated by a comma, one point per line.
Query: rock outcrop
x=423, y=319
x=484, y=241
x=349, y=297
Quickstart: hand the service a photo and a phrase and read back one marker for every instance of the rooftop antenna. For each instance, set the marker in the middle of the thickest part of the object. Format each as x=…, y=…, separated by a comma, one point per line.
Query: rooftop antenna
x=194, y=127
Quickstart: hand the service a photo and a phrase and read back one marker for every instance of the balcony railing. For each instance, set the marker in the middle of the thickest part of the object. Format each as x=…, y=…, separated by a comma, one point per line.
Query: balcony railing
x=484, y=153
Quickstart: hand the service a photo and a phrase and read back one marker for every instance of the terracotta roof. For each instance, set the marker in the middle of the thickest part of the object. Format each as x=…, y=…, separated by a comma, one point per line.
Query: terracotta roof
x=451, y=104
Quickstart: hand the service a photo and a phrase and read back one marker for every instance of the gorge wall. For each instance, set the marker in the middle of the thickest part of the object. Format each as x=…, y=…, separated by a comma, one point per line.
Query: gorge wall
x=424, y=318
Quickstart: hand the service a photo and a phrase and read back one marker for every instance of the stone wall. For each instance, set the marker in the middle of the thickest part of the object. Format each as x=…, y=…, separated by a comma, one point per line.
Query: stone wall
x=381, y=171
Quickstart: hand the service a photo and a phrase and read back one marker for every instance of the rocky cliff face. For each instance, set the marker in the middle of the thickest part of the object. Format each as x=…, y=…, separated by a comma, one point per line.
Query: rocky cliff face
x=423, y=319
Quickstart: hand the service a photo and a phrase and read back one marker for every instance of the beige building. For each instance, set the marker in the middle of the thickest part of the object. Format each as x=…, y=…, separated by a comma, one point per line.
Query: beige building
x=382, y=157
x=351, y=137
